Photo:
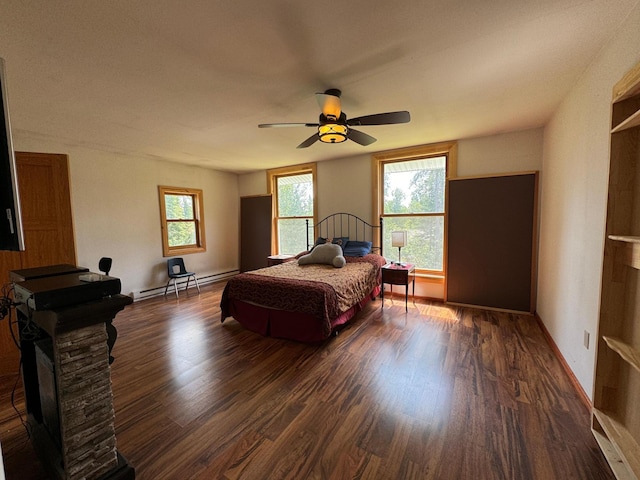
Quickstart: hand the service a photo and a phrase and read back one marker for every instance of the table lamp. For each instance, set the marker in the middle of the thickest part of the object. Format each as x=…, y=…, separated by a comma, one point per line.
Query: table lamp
x=399, y=239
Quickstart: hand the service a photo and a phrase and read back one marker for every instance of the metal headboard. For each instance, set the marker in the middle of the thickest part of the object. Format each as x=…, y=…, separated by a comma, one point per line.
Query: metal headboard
x=346, y=225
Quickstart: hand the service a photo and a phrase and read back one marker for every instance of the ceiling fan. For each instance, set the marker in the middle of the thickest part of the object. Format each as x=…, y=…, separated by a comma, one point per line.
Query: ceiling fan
x=334, y=127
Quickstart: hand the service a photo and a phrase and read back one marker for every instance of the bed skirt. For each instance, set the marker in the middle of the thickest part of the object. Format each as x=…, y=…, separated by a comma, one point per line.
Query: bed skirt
x=291, y=325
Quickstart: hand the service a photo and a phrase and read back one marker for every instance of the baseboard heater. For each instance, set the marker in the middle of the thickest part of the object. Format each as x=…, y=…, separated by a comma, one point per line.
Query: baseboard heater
x=138, y=295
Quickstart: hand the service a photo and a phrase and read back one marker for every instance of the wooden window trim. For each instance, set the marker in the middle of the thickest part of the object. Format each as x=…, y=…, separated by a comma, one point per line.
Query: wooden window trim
x=378, y=160
x=272, y=189
x=198, y=213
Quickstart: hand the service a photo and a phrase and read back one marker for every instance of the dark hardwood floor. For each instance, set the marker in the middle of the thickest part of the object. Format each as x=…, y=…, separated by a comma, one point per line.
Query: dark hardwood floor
x=438, y=392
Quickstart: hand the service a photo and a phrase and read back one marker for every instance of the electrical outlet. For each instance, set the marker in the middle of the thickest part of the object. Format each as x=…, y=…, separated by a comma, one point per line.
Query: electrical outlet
x=586, y=339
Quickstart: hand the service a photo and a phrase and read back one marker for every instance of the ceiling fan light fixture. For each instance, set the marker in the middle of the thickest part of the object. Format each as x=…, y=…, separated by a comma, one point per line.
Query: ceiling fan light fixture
x=332, y=133
x=334, y=127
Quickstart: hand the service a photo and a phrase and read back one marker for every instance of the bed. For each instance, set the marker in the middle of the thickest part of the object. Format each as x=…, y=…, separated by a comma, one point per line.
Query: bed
x=310, y=302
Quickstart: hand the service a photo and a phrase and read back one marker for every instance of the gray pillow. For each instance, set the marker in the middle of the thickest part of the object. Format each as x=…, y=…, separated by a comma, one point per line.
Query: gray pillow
x=339, y=261
x=325, y=254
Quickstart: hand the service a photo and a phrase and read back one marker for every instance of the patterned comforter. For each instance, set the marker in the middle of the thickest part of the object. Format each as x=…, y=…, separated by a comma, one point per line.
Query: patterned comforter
x=321, y=291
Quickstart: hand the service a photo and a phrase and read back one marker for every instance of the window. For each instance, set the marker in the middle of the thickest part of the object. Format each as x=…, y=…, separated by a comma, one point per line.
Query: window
x=411, y=197
x=182, y=216
x=293, y=190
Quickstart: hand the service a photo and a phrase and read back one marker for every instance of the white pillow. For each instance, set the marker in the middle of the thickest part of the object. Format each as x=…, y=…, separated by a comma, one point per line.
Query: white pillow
x=325, y=254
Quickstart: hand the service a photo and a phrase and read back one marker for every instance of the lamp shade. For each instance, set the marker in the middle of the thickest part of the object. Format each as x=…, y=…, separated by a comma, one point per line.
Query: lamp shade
x=399, y=238
x=332, y=133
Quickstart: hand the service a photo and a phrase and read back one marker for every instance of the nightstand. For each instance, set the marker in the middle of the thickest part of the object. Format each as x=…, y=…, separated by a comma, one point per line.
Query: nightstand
x=404, y=274
x=278, y=259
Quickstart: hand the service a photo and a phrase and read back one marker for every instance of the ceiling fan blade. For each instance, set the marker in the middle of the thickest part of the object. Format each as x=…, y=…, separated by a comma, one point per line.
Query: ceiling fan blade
x=309, y=141
x=381, y=119
x=360, y=137
x=329, y=102
x=271, y=125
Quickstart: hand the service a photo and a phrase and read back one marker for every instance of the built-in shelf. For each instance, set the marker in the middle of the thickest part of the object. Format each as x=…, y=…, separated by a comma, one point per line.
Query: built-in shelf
x=625, y=446
x=627, y=352
x=628, y=86
x=620, y=470
x=630, y=254
x=630, y=122
x=616, y=391
x=625, y=238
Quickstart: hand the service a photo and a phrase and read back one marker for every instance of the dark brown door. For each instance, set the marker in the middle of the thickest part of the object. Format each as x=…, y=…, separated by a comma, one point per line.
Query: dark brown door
x=45, y=200
x=492, y=247
x=255, y=232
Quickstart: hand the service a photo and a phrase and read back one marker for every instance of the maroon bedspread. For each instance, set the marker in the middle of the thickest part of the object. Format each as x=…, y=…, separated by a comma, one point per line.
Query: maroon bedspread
x=313, y=298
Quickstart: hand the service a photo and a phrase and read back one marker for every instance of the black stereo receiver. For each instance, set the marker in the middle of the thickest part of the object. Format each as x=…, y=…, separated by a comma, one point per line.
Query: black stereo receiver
x=63, y=290
x=40, y=272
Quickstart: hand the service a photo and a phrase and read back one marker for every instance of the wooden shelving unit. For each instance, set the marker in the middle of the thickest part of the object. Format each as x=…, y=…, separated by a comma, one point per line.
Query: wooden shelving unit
x=624, y=445
x=631, y=122
x=616, y=412
x=627, y=352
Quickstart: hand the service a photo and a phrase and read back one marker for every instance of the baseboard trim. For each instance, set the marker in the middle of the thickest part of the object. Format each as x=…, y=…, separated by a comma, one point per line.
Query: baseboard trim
x=494, y=309
x=202, y=280
x=565, y=366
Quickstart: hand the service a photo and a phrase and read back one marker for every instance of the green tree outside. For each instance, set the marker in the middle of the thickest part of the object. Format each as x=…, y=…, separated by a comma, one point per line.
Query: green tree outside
x=181, y=223
x=425, y=233
x=295, y=202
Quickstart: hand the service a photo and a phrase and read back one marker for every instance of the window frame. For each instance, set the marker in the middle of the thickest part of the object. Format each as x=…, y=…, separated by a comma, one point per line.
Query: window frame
x=198, y=214
x=272, y=189
x=446, y=149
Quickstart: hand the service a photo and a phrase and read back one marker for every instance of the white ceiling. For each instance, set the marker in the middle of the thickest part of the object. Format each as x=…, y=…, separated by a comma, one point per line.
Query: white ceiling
x=189, y=81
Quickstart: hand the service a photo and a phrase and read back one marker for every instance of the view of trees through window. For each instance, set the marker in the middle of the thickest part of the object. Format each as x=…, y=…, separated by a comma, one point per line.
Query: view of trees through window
x=414, y=200
x=181, y=222
x=295, y=206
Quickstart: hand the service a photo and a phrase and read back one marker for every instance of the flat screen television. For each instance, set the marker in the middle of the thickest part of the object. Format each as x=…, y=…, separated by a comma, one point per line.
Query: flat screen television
x=11, y=234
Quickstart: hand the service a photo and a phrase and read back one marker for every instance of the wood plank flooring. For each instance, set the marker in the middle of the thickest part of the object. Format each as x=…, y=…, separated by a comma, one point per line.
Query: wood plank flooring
x=439, y=392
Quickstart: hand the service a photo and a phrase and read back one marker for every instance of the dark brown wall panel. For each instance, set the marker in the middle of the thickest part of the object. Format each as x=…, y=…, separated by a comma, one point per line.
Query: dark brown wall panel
x=492, y=241
x=255, y=232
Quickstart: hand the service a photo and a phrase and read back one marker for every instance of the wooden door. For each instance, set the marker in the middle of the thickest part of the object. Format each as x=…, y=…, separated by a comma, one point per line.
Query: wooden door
x=45, y=200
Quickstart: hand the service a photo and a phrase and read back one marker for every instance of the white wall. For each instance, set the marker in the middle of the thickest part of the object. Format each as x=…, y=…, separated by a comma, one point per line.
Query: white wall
x=347, y=181
x=344, y=185
x=505, y=153
x=116, y=208
x=574, y=196
x=252, y=183
x=115, y=204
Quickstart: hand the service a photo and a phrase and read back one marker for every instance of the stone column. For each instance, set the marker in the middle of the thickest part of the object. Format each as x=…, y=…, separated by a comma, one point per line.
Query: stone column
x=81, y=409
x=87, y=420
